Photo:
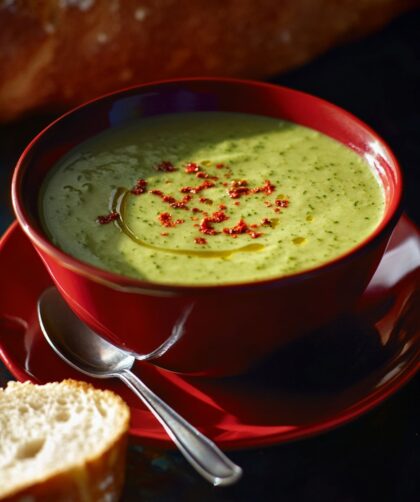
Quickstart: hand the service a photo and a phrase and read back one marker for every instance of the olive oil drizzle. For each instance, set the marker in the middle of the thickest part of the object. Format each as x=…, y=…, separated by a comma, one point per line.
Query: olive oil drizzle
x=118, y=202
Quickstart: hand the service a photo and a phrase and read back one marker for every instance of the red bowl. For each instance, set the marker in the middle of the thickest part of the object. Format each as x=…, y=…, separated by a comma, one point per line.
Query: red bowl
x=206, y=330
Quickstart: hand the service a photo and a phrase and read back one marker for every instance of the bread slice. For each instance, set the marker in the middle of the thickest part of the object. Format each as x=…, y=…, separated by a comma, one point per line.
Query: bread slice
x=62, y=441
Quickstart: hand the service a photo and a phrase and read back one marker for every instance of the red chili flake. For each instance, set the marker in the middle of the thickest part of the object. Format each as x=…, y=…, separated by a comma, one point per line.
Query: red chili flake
x=254, y=225
x=225, y=183
x=164, y=234
x=103, y=220
x=200, y=240
x=202, y=174
x=222, y=207
x=206, y=184
x=268, y=203
x=238, y=188
x=196, y=210
x=169, y=199
x=220, y=165
x=139, y=187
x=238, y=192
x=240, y=228
x=218, y=217
x=237, y=203
x=267, y=222
x=165, y=166
x=166, y=220
x=181, y=204
x=282, y=203
x=206, y=227
x=199, y=188
x=192, y=168
x=268, y=188
x=277, y=210
x=204, y=200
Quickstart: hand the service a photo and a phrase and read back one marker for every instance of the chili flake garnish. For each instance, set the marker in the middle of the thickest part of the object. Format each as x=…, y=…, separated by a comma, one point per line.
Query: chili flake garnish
x=222, y=207
x=267, y=188
x=165, y=166
x=202, y=174
x=139, y=187
x=169, y=199
x=282, y=203
x=242, y=228
x=181, y=204
x=176, y=204
x=192, y=168
x=205, y=200
x=239, y=188
x=200, y=240
x=167, y=221
x=220, y=165
x=108, y=218
x=159, y=193
x=206, y=227
x=267, y=222
x=218, y=217
x=199, y=188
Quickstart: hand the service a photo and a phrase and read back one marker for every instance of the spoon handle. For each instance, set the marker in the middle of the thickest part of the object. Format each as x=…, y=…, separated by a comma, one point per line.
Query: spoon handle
x=200, y=452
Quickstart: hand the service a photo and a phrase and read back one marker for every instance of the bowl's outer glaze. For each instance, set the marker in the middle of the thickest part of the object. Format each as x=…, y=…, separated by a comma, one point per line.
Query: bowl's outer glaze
x=213, y=330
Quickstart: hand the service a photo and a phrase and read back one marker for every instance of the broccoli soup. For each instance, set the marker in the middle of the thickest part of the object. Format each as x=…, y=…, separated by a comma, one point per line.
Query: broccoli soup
x=210, y=198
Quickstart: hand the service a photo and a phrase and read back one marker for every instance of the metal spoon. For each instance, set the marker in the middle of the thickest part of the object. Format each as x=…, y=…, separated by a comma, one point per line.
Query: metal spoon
x=89, y=353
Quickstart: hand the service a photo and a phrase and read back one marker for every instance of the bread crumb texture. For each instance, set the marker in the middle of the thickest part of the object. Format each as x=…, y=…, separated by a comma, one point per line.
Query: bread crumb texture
x=62, y=441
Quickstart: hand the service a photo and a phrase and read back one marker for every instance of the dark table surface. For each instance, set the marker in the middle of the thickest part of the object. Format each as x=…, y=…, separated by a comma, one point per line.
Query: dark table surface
x=377, y=456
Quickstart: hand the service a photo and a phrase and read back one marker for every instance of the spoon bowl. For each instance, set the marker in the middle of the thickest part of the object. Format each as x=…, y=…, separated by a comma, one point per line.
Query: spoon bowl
x=75, y=342
x=89, y=353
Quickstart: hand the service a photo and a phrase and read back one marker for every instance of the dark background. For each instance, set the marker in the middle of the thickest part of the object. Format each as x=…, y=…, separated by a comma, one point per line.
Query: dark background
x=377, y=456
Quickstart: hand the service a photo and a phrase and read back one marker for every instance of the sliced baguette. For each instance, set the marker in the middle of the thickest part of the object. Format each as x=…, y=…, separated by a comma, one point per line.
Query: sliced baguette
x=61, y=442
x=54, y=54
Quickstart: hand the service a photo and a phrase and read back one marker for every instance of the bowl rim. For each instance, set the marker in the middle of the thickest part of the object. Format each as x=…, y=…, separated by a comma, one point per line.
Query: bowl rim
x=131, y=284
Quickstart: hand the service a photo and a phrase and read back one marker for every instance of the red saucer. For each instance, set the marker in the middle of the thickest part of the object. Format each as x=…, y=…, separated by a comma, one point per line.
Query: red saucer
x=324, y=381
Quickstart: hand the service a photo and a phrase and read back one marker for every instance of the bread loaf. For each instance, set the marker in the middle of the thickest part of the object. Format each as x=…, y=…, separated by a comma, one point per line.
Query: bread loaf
x=58, y=53
x=61, y=442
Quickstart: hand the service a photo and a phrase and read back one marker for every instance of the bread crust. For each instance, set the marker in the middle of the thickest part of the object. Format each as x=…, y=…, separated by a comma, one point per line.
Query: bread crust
x=99, y=478
x=54, y=54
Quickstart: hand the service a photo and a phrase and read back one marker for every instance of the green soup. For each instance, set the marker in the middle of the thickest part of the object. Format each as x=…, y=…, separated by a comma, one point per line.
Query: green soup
x=205, y=198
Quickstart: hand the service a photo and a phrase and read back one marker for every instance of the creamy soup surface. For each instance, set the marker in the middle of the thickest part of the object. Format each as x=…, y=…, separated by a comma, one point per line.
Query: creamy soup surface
x=210, y=198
